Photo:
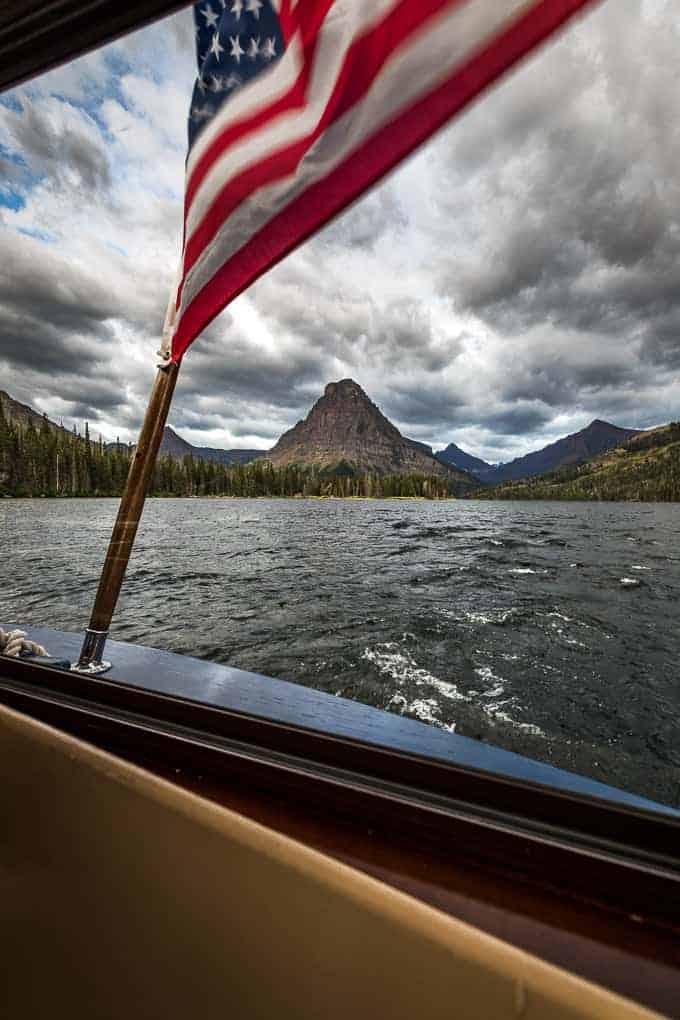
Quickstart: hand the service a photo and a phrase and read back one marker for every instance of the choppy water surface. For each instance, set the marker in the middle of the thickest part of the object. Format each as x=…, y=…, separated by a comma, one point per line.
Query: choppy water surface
x=551, y=629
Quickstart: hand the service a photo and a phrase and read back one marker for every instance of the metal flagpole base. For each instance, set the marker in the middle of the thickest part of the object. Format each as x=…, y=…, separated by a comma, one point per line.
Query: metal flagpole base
x=90, y=662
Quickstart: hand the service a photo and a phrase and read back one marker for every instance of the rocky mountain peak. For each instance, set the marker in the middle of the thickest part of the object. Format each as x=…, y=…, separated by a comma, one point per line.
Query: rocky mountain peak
x=343, y=390
x=345, y=427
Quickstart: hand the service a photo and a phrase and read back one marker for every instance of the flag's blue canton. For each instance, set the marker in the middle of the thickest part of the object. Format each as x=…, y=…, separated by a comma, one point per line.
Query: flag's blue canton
x=235, y=41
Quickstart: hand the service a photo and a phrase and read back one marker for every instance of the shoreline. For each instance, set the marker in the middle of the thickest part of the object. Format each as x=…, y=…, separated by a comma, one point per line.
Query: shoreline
x=362, y=499
x=339, y=499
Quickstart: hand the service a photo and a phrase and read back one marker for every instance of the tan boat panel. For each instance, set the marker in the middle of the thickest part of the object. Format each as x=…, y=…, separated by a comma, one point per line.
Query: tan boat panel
x=125, y=896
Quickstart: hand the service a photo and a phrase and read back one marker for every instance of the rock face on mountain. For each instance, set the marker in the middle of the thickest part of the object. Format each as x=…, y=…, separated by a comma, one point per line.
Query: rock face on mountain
x=346, y=430
x=174, y=445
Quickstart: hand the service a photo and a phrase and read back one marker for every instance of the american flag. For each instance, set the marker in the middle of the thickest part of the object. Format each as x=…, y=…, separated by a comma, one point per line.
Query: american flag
x=299, y=106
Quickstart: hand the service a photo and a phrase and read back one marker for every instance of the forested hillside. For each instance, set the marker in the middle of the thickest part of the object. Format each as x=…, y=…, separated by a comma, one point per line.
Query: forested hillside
x=47, y=462
x=646, y=468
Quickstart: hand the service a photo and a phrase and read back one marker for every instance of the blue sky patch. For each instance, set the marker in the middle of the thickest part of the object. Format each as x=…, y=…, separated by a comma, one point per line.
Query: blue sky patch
x=11, y=199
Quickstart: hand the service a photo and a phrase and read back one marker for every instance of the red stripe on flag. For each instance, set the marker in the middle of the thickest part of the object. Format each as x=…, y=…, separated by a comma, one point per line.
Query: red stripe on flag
x=286, y=20
x=367, y=164
x=307, y=15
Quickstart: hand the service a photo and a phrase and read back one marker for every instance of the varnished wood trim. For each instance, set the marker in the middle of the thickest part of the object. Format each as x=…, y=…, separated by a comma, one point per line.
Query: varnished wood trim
x=35, y=36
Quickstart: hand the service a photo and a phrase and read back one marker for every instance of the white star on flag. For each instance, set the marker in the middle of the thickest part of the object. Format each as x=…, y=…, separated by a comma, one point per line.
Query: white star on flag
x=201, y=113
x=236, y=8
x=254, y=48
x=236, y=52
x=211, y=18
x=253, y=7
x=216, y=47
x=269, y=49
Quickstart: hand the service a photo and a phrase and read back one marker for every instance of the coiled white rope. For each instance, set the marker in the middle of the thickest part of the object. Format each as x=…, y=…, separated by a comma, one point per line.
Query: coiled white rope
x=15, y=642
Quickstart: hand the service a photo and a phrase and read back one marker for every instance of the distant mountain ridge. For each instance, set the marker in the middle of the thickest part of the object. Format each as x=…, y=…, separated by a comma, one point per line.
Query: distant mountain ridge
x=454, y=456
x=597, y=437
x=175, y=446
x=345, y=430
x=645, y=468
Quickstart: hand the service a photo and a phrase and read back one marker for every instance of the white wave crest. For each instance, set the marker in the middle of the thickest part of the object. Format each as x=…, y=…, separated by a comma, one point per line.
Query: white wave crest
x=489, y=616
x=535, y=731
x=397, y=663
x=425, y=709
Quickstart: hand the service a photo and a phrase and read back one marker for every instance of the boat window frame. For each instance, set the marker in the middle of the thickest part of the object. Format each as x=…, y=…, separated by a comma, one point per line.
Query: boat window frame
x=596, y=845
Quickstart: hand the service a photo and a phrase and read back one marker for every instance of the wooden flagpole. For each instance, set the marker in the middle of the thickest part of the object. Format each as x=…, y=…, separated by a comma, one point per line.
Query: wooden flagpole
x=127, y=521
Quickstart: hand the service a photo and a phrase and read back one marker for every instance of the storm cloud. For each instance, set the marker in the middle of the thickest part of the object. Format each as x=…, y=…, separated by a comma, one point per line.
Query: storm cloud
x=513, y=280
x=57, y=140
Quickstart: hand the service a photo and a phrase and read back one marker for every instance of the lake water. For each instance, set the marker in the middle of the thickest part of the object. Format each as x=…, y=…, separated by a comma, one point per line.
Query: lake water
x=551, y=629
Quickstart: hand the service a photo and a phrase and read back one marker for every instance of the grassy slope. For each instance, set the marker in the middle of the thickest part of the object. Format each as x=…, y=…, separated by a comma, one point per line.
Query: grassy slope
x=646, y=468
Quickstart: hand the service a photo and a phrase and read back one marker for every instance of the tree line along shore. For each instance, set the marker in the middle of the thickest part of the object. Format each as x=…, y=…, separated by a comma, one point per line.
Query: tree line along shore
x=47, y=462
x=44, y=461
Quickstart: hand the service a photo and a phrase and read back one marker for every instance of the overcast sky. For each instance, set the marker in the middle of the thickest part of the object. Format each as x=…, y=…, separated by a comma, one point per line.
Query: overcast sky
x=517, y=278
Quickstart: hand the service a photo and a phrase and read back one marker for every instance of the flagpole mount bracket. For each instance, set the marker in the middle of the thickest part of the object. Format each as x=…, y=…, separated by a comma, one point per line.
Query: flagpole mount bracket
x=90, y=662
x=91, y=668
